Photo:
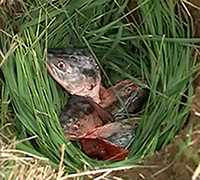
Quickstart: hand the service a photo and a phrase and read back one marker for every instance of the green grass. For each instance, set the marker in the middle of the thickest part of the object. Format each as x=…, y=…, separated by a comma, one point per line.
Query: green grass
x=158, y=50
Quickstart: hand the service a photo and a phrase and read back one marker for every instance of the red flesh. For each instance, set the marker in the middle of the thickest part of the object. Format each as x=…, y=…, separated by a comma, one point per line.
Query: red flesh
x=96, y=144
x=102, y=149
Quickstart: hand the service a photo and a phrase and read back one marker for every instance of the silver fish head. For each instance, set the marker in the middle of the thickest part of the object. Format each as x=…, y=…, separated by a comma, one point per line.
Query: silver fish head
x=76, y=71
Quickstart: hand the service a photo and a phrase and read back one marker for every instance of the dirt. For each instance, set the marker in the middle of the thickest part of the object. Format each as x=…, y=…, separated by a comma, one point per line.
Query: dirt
x=194, y=9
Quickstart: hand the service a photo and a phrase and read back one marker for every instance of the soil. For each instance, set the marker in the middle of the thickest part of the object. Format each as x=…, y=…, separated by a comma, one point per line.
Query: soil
x=194, y=9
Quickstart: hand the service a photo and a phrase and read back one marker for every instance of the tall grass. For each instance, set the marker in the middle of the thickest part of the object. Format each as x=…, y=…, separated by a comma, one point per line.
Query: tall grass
x=154, y=49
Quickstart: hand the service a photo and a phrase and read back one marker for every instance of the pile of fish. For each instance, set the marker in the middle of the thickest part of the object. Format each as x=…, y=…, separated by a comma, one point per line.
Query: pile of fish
x=96, y=117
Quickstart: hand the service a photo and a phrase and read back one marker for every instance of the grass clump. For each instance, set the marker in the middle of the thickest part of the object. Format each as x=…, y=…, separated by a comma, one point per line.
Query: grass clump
x=157, y=48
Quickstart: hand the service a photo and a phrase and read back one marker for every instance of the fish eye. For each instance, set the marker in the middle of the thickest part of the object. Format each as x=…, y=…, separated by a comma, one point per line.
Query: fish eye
x=61, y=65
x=91, y=87
x=129, y=90
x=76, y=126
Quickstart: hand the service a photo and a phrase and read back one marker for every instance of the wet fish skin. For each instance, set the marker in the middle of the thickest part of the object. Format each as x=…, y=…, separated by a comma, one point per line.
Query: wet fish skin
x=132, y=105
x=96, y=130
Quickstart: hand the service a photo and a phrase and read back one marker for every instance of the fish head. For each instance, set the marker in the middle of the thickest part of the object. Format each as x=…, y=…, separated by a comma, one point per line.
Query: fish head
x=134, y=97
x=125, y=89
x=81, y=127
x=80, y=116
x=76, y=71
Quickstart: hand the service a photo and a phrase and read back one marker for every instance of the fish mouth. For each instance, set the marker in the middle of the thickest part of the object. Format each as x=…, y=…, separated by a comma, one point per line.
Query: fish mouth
x=75, y=136
x=49, y=67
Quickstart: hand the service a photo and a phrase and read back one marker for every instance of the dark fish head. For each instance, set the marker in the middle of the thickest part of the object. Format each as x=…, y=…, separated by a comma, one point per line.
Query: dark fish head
x=113, y=97
x=125, y=89
x=80, y=116
x=137, y=100
x=76, y=71
x=133, y=104
x=125, y=98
